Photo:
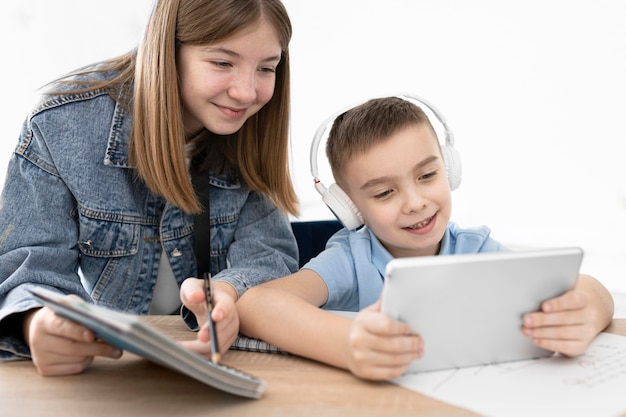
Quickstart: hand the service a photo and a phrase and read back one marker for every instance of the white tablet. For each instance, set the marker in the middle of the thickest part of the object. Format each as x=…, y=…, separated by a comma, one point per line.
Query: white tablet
x=468, y=308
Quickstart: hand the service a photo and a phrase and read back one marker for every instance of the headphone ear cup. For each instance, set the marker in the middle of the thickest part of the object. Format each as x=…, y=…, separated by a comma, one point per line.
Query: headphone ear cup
x=452, y=159
x=342, y=207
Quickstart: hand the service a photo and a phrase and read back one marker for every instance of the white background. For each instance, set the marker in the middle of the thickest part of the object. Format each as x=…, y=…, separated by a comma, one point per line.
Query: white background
x=534, y=91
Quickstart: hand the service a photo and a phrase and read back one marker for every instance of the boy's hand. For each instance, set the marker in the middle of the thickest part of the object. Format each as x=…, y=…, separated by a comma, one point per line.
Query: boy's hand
x=60, y=346
x=224, y=314
x=381, y=348
x=567, y=324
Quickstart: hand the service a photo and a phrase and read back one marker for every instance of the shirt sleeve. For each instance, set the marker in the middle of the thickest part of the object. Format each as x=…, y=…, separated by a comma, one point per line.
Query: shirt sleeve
x=336, y=267
x=264, y=247
x=34, y=250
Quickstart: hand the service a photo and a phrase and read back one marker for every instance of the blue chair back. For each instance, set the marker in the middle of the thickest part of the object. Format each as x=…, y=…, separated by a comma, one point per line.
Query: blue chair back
x=312, y=237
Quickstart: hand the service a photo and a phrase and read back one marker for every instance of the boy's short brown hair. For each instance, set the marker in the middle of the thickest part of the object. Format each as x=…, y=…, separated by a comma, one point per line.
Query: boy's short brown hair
x=358, y=129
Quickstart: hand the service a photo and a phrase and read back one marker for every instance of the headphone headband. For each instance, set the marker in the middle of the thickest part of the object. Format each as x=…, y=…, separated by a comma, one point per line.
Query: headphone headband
x=321, y=130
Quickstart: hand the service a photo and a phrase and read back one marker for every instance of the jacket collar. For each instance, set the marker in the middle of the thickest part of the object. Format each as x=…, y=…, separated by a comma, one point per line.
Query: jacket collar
x=118, y=144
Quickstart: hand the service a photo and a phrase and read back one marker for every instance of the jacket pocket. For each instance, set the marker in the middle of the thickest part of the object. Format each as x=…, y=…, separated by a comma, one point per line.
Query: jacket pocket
x=107, y=235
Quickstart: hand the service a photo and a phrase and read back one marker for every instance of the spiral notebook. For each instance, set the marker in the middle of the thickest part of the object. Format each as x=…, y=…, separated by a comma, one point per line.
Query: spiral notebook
x=129, y=332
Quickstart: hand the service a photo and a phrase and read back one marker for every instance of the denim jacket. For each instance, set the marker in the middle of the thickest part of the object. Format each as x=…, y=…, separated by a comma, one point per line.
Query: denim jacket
x=75, y=217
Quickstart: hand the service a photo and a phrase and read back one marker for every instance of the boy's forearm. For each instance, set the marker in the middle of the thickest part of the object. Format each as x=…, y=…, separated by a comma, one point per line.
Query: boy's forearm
x=294, y=325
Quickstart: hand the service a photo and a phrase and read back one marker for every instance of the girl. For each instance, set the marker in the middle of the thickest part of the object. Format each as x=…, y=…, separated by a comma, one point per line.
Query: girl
x=98, y=200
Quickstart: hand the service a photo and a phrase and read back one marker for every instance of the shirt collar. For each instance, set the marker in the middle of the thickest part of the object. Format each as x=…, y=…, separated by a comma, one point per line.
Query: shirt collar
x=380, y=256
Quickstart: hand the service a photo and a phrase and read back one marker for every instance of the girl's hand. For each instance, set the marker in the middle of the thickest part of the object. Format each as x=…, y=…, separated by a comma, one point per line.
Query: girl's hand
x=60, y=346
x=380, y=348
x=224, y=314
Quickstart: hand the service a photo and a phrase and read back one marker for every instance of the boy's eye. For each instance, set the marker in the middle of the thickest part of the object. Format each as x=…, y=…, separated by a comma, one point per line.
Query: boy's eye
x=428, y=175
x=382, y=195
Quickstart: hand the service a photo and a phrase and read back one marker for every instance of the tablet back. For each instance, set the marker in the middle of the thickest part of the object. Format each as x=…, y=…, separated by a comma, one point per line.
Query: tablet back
x=469, y=308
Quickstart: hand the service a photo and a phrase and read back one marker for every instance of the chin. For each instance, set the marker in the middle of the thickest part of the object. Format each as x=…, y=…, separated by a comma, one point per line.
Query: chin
x=224, y=130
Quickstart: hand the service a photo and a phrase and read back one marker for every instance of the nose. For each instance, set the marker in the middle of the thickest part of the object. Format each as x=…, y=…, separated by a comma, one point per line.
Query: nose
x=414, y=200
x=243, y=86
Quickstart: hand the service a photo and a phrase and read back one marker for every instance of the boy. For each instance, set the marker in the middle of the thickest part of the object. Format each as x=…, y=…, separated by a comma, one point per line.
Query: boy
x=386, y=157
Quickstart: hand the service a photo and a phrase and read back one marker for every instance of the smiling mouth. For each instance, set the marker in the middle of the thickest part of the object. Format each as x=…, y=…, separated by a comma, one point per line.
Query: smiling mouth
x=232, y=112
x=421, y=224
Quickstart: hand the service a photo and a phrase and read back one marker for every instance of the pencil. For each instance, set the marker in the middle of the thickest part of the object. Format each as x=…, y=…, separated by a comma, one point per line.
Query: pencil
x=215, y=349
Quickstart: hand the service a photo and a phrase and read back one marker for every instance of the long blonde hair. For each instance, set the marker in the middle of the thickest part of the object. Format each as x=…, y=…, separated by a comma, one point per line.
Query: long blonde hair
x=260, y=149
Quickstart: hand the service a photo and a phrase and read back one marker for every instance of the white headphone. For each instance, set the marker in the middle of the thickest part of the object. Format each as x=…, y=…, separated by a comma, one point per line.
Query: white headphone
x=338, y=201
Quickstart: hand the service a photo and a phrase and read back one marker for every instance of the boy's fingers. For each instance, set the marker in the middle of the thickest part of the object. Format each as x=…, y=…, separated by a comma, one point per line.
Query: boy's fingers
x=376, y=322
x=571, y=300
x=382, y=325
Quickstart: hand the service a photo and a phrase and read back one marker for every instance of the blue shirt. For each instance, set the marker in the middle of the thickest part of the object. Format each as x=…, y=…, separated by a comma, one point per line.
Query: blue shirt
x=74, y=217
x=353, y=263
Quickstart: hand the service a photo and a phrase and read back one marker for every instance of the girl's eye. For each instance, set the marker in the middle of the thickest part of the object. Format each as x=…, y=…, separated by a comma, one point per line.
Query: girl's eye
x=221, y=64
x=268, y=70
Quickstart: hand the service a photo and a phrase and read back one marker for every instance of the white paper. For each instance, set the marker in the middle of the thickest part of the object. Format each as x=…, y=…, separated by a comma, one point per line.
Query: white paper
x=593, y=384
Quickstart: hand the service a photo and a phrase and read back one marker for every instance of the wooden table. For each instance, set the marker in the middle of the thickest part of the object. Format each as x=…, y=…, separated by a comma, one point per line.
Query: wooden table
x=132, y=386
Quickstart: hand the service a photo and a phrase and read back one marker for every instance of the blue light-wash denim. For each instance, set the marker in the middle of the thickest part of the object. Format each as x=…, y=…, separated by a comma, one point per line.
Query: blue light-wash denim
x=72, y=203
